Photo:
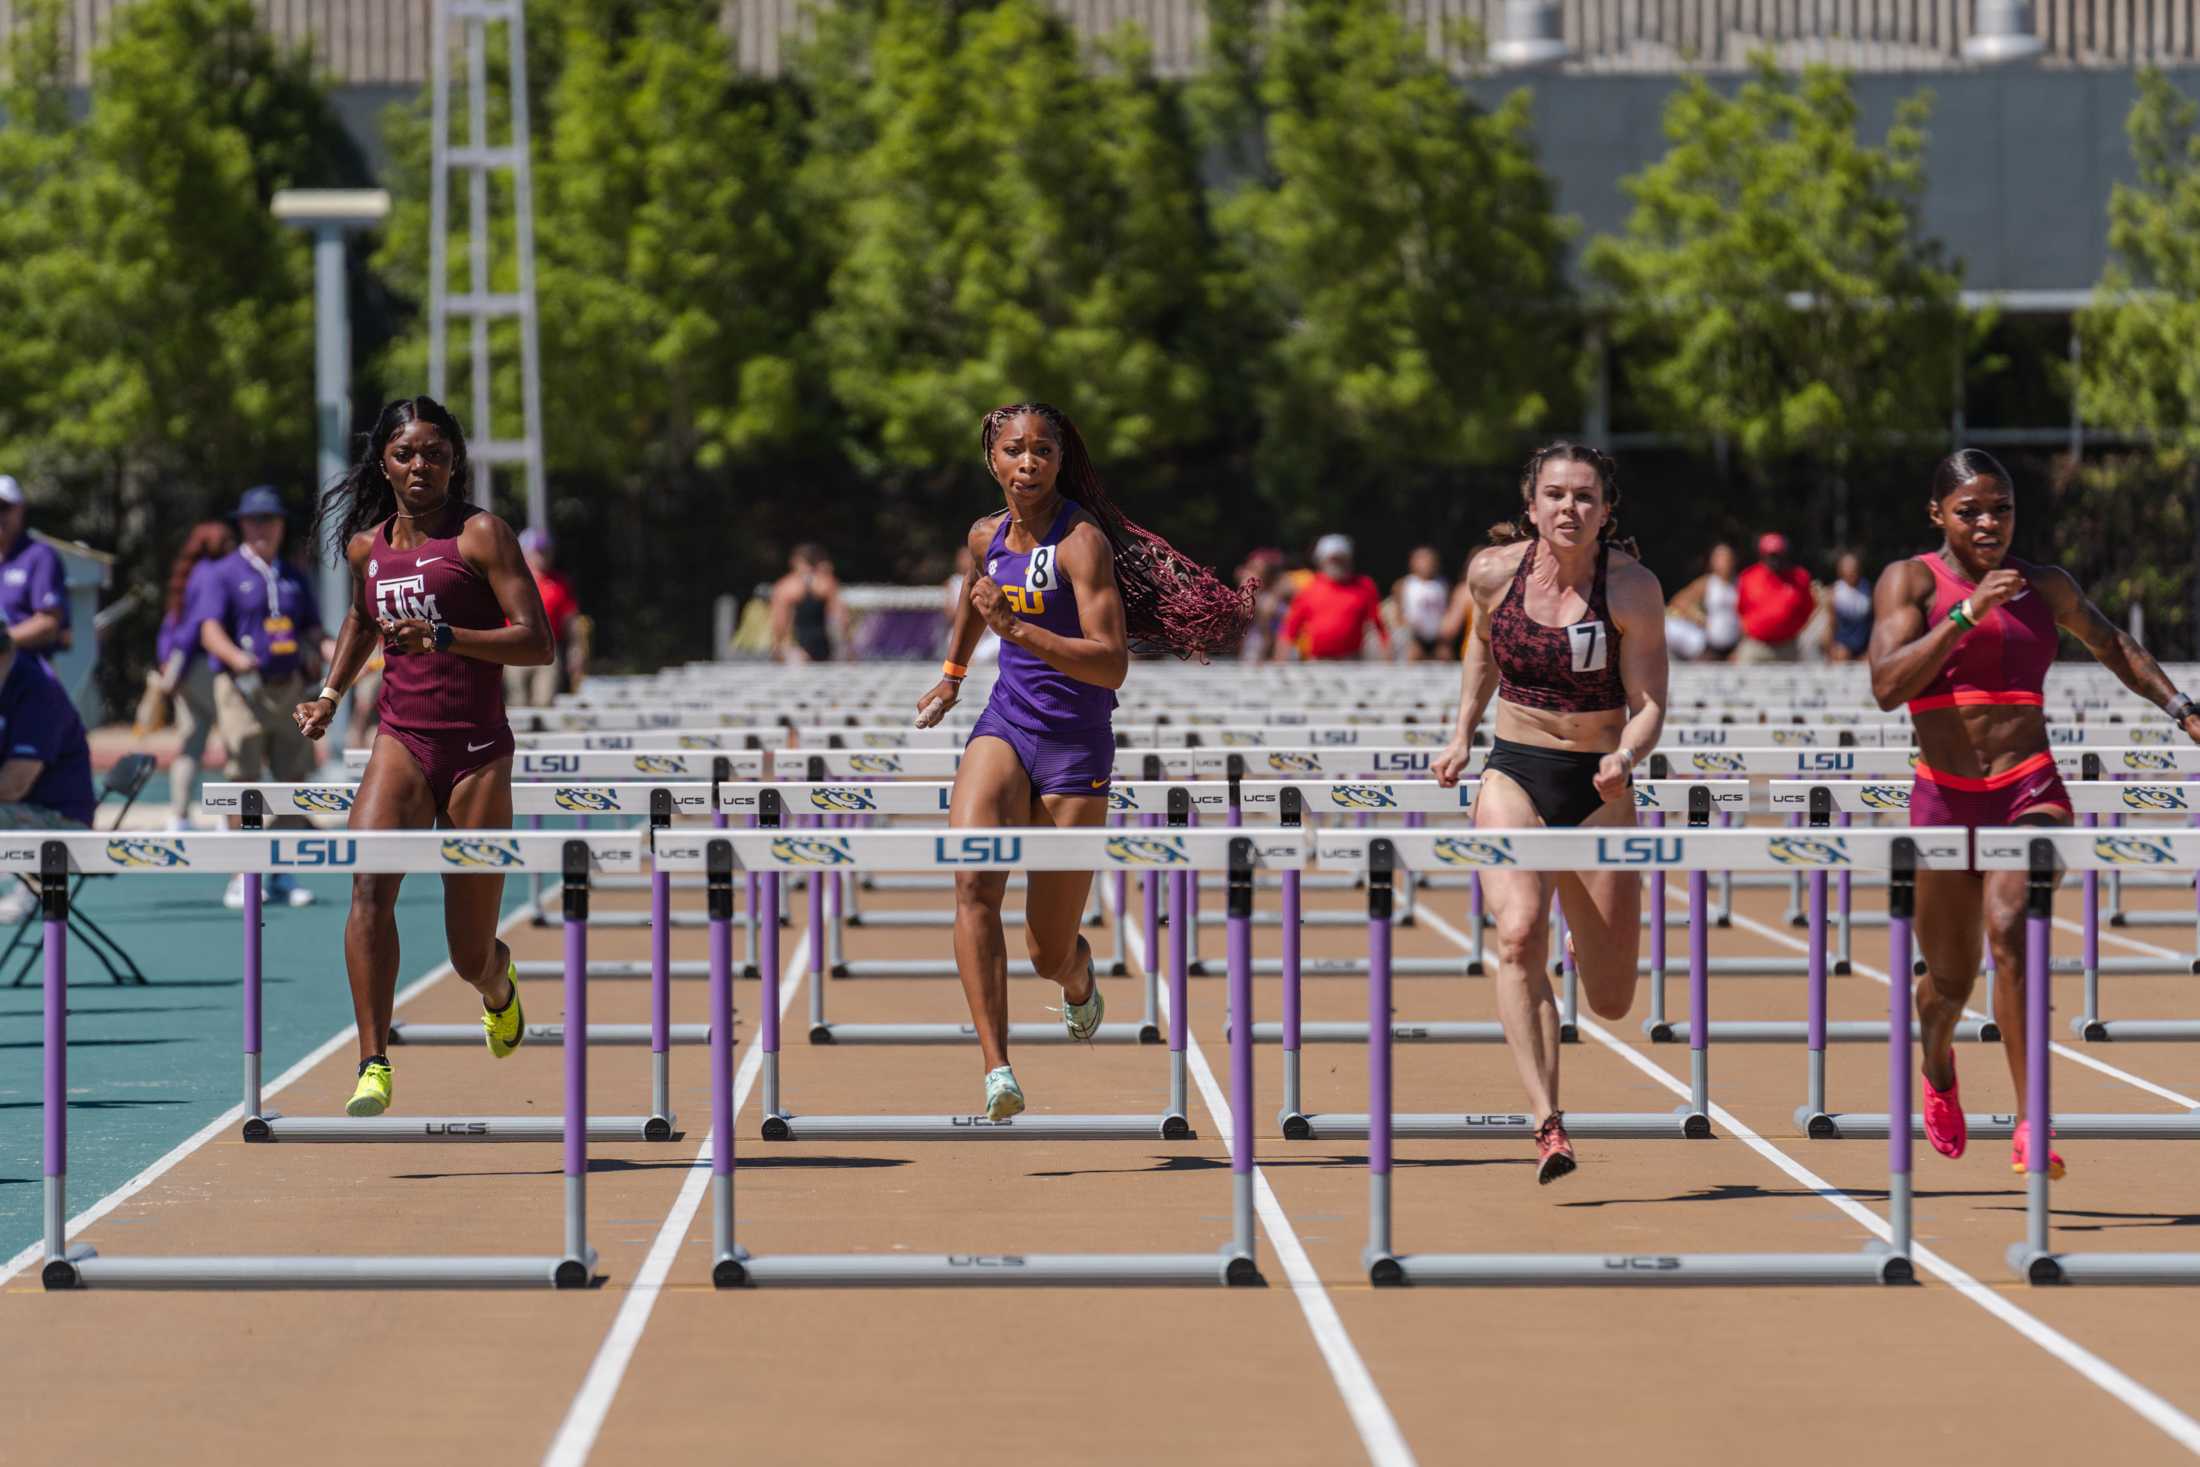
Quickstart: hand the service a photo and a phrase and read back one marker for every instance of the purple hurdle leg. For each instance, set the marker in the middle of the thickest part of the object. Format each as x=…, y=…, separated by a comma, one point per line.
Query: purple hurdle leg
x=254, y=933
x=2038, y=1003
x=56, y=1103
x=768, y=1004
x=1240, y=945
x=1291, y=1005
x=1382, y=1265
x=1180, y=989
x=1842, y=927
x=1474, y=923
x=1656, y=1026
x=1699, y=1001
x=2089, y=1025
x=660, y=998
x=1815, y=1100
x=578, y=1258
x=1898, y=1069
x=726, y=1255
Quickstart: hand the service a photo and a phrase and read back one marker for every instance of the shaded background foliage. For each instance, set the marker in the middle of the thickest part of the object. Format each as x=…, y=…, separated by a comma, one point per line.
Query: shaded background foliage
x=1316, y=287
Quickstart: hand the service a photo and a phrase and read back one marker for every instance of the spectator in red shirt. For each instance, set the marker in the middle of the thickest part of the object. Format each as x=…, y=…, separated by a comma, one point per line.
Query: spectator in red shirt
x=1778, y=599
x=536, y=687
x=1330, y=615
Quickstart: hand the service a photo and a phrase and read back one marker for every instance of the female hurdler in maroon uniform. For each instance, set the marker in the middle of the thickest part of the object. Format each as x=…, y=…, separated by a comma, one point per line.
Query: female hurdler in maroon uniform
x=445, y=587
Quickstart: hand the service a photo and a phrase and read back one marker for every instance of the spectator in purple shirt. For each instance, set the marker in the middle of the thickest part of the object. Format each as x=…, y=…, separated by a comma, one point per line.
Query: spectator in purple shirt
x=45, y=758
x=258, y=622
x=184, y=678
x=34, y=595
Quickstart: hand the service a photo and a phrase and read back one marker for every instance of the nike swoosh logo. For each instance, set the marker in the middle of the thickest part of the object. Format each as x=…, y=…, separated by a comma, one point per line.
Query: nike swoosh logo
x=1099, y=784
x=477, y=748
x=431, y=560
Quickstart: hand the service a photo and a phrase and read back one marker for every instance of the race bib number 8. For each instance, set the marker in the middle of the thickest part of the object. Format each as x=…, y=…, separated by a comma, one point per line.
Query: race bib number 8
x=1040, y=575
x=1590, y=646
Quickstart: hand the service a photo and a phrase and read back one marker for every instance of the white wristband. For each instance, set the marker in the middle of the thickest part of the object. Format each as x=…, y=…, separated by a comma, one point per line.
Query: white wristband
x=330, y=693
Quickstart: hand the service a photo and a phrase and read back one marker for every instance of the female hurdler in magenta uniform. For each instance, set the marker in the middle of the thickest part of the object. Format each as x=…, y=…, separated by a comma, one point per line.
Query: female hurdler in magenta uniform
x=444, y=588
x=1067, y=583
x=1965, y=636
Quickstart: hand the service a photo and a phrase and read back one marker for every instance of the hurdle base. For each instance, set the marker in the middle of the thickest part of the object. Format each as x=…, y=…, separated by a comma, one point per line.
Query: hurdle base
x=272, y=1127
x=2097, y=1126
x=2108, y=1031
x=1674, y=1125
x=289, y=1271
x=1401, y=1032
x=616, y=969
x=1789, y=1031
x=1876, y=1264
x=977, y=1128
x=621, y=1034
x=2103, y=1268
x=1034, y=1033
x=864, y=1270
x=1295, y=1125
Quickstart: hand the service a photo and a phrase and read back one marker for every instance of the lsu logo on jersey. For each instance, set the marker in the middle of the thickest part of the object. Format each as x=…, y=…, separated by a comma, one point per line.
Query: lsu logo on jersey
x=148, y=855
x=799, y=850
x=1714, y=761
x=2132, y=850
x=1363, y=797
x=492, y=855
x=1295, y=763
x=2149, y=759
x=405, y=598
x=659, y=764
x=1797, y=850
x=1147, y=850
x=319, y=799
x=1885, y=796
x=1460, y=850
x=584, y=801
x=875, y=764
x=2154, y=797
x=844, y=799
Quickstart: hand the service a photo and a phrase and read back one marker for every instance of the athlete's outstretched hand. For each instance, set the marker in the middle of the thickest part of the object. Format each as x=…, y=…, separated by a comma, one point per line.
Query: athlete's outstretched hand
x=313, y=718
x=2000, y=586
x=986, y=595
x=1612, y=772
x=933, y=706
x=1450, y=763
x=2191, y=726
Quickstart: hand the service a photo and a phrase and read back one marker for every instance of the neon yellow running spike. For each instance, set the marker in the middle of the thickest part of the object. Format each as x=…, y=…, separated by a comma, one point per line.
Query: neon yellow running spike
x=506, y=1028
x=373, y=1095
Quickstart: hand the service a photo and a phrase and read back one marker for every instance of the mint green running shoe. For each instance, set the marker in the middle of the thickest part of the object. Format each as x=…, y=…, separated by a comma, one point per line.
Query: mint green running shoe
x=1083, y=1019
x=1003, y=1096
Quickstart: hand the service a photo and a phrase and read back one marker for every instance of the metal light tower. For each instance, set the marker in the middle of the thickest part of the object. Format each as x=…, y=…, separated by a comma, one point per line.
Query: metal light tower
x=476, y=160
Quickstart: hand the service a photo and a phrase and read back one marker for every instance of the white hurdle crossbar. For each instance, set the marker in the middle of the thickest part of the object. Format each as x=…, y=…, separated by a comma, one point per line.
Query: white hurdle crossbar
x=53, y=859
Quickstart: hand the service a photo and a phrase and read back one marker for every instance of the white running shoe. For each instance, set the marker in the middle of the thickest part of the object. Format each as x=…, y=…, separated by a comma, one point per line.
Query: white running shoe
x=16, y=903
x=233, y=898
x=1083, y=1019
x=1003, y=1096
x=285, y=891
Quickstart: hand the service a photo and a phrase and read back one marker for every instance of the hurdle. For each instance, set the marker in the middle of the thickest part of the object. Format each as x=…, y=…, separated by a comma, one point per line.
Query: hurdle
x=1876, y=1262
x=776, y=850
x=572, y=858
x=2043, y=856
x=1236, y=1263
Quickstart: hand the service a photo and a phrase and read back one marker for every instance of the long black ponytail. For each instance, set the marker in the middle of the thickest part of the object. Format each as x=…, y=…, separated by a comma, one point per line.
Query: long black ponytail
x=363, y=498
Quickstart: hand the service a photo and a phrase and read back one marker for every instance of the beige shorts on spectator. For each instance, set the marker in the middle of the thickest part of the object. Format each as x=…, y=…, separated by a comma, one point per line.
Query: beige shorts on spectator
x=259, y=732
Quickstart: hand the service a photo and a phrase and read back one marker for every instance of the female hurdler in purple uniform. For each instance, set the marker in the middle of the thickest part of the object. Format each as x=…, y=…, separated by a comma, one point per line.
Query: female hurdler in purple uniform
x=1068, y=584
x=445, y=588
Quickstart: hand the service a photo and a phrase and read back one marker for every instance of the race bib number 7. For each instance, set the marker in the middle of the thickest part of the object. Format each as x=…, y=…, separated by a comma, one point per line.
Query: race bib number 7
x=1589, y=644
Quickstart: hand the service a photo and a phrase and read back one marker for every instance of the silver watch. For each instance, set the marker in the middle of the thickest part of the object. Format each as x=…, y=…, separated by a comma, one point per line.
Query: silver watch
x=2179, y=708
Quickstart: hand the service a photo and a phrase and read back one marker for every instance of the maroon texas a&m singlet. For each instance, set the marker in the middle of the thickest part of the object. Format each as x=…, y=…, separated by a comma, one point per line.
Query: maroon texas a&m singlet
x=431, y=692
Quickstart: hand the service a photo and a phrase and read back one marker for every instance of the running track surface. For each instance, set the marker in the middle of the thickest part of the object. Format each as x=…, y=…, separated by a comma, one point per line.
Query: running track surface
x=1316, y=1367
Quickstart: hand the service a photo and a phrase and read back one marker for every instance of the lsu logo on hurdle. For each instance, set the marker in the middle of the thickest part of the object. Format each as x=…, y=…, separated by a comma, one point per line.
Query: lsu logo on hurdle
x=659, y=764
x=1885, y=797
x=699, y=741
x=875, y=764
x=1793, y=737
x=2154, y=797
x=2130, y=850
x=1364, y=797
x=321, y=800
x=845, y=799
x=584, y=801
x=1798, y=850
x=994, y=851
x=148, y=855
x=1295, y=763
x=1639, y=850
x=1242, y=738
x=2157, y=759
x=1146, y=850
x=1462, y=850
x=312, y=850
x=488, y=855
x=797, y=850
x=886, y=738
x=1713, y=761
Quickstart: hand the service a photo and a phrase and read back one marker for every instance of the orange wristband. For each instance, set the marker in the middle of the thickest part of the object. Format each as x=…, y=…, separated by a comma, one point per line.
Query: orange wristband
x=954, y=670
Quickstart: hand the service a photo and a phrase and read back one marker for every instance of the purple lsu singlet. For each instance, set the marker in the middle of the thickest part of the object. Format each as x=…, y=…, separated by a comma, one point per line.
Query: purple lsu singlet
x=431, y=692
x=1027, y=690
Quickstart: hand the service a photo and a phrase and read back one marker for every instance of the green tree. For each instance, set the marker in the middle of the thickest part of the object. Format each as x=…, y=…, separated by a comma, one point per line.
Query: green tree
x=1398, y=248
x=1763, y=199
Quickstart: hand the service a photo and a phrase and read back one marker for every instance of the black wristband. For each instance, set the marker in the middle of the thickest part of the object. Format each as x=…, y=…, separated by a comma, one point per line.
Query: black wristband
x=443, y=636
x=2179, y=708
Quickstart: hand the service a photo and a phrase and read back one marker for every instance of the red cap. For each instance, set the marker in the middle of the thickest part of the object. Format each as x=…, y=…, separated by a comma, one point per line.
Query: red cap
x=1770, y=544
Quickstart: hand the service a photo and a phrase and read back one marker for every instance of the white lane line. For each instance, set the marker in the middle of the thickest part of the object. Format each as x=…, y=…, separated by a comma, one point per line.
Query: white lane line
x=230, y=1117
x=2075, y=1056
x=1363, y=1400
x=2152, y=1408
x=584, y=1419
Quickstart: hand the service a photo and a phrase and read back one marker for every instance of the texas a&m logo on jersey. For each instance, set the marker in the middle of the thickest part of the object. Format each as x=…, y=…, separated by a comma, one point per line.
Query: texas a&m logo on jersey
x=403, y=598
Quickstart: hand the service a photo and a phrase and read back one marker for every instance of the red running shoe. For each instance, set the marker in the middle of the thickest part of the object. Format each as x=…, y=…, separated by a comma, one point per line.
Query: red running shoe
x=1553, y=1150
x=2020, y=1153
x=1944, y=1123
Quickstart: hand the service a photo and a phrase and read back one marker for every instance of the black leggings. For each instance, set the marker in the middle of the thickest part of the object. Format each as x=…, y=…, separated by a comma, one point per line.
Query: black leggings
x=1560, y=783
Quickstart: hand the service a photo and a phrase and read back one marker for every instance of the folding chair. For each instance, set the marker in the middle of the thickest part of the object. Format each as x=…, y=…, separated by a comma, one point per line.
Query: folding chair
x=126, y=780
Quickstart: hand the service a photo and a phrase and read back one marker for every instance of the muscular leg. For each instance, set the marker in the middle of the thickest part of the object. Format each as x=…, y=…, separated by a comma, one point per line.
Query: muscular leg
x=473, y=906
x=2004, y=900
x=1054, y=904
x=1604, y=912
x=991, y=789
x=1948, y=906
x=393, y=795
x=1519, y=904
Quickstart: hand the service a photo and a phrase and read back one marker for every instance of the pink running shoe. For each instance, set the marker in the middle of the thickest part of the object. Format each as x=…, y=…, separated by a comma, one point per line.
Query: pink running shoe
x=1944, y=1123
x=1554, y=1151
x=2020, y=1153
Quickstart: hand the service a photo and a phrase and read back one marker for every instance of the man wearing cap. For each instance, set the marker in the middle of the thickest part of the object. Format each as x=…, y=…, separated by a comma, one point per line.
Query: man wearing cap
x=259, y=623
x=1777, y=600
x=536, y=687
x=1330, y=616
x=34, y=595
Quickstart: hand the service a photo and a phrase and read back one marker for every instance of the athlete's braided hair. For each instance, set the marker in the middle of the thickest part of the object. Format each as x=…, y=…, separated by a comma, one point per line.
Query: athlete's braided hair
x=1170, y=602
x=1508, y=532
